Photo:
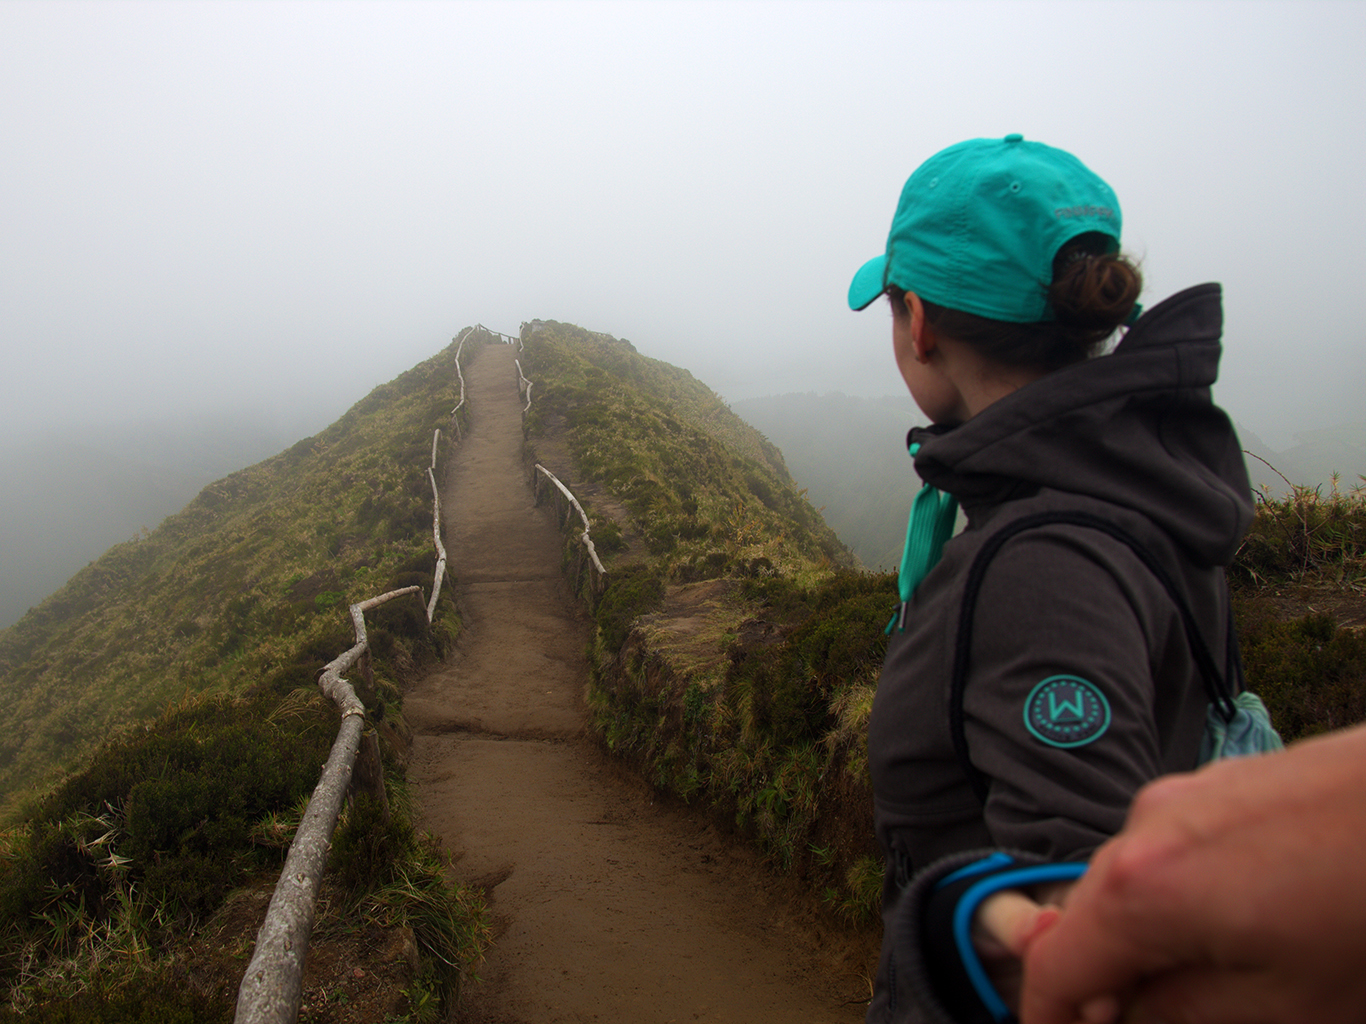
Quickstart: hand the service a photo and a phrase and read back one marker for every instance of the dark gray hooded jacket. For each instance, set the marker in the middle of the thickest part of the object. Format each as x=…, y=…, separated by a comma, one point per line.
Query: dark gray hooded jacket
x=1068, y=619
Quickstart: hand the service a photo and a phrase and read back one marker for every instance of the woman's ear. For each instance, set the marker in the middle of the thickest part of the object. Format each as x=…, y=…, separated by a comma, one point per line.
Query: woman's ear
x=923, y=338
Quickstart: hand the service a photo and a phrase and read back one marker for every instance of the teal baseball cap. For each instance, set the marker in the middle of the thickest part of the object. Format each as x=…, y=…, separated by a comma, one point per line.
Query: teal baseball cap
x=979, y=224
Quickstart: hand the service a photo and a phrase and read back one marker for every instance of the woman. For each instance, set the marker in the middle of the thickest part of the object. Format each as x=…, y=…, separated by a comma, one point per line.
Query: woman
x=1025, y=701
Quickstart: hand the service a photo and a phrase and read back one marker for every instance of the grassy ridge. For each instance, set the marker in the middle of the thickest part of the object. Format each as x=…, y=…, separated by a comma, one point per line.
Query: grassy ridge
x=737, y=649
x=173, y=681
x=247, y=586
x=698, y=483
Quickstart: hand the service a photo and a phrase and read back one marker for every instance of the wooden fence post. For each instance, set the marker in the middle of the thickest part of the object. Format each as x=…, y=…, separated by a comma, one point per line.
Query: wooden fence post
x=368, y=777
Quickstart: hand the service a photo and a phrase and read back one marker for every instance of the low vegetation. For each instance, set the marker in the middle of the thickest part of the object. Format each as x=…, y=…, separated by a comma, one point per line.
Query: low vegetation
x=166, y=732
x=1300, y=595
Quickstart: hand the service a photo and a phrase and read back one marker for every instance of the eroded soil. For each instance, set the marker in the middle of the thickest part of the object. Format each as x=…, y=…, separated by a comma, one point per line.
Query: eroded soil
x=608, y=905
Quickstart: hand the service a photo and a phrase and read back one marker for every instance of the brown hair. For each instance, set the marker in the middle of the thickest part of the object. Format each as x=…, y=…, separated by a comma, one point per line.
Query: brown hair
x=1092, y=294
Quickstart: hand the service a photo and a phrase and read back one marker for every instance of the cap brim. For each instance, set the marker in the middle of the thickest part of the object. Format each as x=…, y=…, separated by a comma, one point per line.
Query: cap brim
x=868, y=283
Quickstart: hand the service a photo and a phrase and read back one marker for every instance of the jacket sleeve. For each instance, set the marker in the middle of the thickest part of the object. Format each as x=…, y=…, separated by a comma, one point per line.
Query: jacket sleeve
x=1059, y=703
x=931, y=932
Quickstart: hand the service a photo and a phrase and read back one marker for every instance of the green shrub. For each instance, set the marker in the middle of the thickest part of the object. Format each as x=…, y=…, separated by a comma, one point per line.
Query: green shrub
x=632, y=591
x=167, y=812
x=152, y=999
x=1310, y=672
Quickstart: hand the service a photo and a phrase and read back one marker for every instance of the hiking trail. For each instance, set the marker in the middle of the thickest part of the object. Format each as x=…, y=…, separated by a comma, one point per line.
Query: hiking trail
x=608, y=904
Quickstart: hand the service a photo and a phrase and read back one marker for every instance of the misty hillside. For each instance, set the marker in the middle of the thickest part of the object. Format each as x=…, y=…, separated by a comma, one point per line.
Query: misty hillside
x=248, y=577
x=850, y=455
x=245, y=587
x=167, y=731
x=173, y=679
x=77, y=491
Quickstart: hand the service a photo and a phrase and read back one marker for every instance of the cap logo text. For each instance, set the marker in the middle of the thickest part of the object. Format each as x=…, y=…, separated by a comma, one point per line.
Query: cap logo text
x=1075, y=212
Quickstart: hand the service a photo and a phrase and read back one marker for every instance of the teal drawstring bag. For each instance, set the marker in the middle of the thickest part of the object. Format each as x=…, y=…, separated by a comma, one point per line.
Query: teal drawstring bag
x=1248, y=731
x=930, y=524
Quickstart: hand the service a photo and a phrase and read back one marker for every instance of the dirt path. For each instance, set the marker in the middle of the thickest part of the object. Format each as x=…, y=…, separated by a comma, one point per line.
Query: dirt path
x=607, y=906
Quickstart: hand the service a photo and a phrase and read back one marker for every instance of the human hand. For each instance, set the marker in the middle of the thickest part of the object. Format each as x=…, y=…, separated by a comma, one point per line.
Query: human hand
x=1234, y=895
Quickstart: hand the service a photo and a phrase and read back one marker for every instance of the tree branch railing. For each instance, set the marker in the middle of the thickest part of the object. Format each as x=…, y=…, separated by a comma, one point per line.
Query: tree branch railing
x=599, y=580
x=523, y=386
x=272, y=987
x=440, y=572
x=455, y=419
x=584, y=538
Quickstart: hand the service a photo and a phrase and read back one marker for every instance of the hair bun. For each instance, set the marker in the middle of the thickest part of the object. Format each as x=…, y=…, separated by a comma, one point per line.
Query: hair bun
x=1093, y=291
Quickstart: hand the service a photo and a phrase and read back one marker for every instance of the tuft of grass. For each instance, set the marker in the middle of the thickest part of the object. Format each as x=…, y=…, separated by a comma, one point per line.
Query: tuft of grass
x=1305, y=531
x=449, y=923
x=859, y=900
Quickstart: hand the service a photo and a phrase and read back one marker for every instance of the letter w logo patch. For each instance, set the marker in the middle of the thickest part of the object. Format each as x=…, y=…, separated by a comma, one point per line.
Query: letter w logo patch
x=1066, y=711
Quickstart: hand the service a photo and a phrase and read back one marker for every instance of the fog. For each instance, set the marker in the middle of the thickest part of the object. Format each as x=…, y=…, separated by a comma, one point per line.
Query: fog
x=269, y=208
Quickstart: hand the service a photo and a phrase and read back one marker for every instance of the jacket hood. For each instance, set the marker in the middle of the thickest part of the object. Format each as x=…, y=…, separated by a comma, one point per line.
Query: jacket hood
x=1137, y=428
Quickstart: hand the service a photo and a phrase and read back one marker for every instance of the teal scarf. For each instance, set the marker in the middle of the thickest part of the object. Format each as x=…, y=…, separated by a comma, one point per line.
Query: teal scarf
x=930, y=524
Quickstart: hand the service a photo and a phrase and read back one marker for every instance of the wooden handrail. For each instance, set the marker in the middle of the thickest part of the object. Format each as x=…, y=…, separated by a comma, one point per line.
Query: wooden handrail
x=523, y=385
x=272, y=988
x=587, y=540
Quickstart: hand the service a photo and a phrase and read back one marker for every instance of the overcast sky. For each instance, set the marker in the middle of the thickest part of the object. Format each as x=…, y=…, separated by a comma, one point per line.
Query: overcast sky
x=274, y=207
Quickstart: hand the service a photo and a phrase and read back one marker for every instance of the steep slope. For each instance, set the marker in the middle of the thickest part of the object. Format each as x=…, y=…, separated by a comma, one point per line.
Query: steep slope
x=150, y=856
x=247, y=587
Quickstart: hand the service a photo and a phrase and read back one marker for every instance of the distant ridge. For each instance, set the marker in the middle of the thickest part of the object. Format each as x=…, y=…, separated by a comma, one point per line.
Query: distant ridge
x=850, y=455
x=1312, y=461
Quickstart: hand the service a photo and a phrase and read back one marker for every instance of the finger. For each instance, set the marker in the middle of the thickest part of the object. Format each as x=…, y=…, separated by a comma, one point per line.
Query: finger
x=1010, y=918
x=1101, y=1010
x=1074, y=966
x=1114, y=929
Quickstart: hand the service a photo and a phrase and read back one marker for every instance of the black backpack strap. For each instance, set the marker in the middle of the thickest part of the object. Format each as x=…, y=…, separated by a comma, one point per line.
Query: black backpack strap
x=1216, y=684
